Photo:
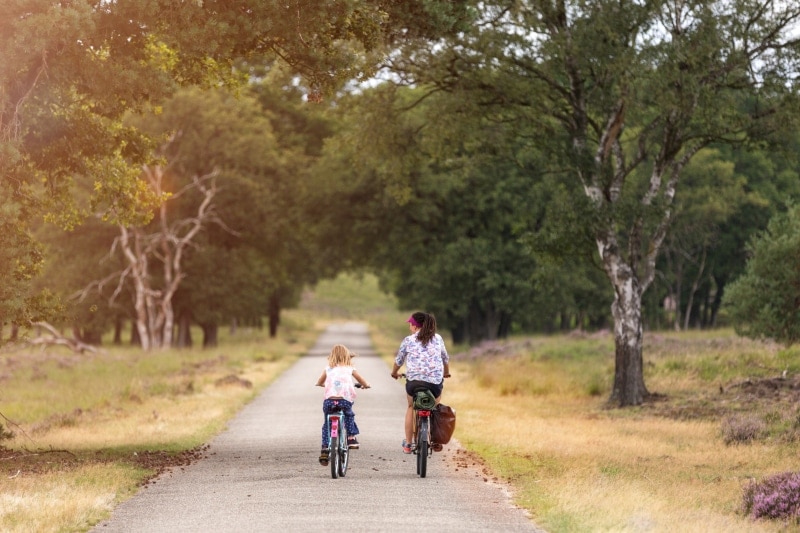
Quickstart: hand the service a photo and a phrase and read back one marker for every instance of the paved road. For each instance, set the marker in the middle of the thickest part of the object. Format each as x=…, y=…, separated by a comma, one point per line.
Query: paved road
x=262, y=474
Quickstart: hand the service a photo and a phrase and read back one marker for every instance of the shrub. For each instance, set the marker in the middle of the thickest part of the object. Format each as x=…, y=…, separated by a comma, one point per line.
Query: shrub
x=737, y=429
x=776, y=497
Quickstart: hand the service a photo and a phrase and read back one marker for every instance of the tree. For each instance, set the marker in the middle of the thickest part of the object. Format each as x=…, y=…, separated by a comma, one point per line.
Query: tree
x=773, y=180
x=711, y=194
x=260, y=155
x=764, y=303
x=432, y=200
x=165, y=248
x=72, y=70
x=622, y=95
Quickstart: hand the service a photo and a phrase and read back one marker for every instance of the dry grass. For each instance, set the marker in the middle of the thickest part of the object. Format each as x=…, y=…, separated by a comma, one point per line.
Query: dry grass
x=90, y=429
x=62, y=501
x=579, y=468
x=533, y=408
x=537, y=413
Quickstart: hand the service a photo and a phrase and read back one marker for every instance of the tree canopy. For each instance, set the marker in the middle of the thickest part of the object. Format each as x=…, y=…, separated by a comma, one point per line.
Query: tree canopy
x=620, y=97
x=72, y=70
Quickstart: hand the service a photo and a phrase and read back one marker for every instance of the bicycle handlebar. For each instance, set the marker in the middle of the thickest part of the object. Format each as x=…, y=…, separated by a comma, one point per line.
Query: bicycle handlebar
x=356, y=385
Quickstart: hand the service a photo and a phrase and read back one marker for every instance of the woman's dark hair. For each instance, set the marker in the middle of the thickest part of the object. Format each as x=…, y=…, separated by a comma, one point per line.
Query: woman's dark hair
x=428, y=328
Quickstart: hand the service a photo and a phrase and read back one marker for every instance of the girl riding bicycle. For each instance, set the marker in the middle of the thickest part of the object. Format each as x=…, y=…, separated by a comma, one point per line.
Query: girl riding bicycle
x=427, y=364
x=337, y=378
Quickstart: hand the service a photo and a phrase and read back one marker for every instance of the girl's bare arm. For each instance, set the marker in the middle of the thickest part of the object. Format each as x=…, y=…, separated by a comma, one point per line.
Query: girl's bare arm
x=360, y=380
x=321, y=380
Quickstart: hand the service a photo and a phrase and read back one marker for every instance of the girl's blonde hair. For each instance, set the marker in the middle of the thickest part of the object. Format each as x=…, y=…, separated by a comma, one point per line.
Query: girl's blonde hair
x=340, y=356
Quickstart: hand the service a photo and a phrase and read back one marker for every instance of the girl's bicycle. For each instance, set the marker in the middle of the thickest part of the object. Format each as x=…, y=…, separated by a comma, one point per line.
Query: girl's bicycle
x=338, y=449
x=338, y=446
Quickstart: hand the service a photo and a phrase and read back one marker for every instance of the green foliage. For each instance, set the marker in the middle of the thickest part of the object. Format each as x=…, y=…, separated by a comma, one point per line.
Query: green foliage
x=72, y=71
x=449, y=193
x=763, y=302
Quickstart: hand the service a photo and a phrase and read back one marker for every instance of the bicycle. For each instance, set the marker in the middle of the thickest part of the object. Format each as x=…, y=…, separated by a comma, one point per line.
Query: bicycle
x=338, y=447
x=422, y=446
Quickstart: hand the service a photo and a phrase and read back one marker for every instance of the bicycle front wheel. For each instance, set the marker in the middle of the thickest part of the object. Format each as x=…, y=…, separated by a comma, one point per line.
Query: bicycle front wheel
x=344, y=452
x=422, y=448
x=335, y=457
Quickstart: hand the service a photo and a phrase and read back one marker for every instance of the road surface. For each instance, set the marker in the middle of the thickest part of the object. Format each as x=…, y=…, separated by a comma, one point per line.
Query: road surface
x=263, y=474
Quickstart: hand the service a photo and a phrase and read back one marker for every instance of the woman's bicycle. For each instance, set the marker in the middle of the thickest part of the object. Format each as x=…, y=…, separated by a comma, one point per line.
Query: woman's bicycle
x=423, y=403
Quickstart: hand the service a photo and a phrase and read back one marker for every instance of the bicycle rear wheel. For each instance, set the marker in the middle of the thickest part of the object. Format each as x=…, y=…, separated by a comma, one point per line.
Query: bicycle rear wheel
x=422, y=448
x=335, y=457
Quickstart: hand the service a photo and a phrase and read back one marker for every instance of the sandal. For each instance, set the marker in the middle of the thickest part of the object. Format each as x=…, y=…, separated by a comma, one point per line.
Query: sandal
x=323, y=457
x=352, y=443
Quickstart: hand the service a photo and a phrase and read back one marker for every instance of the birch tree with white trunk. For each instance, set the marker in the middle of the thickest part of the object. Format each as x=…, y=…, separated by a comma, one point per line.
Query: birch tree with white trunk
x=155, y=254
x=639, y=88
x=622, y=94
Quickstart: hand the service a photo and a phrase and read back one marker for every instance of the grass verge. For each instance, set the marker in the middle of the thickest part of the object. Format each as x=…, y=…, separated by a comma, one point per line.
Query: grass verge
x=90, y=429
x=534, y=409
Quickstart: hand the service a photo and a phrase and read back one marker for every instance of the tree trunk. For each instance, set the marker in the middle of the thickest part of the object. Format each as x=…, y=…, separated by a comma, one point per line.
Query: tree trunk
x=117, y=332
x=184, y=337
x=459, y=332
x=136, y=340
x=693, y=290
x=274, y=314
x=92, y=337
x=209, y=335
x=719, y=282
x=505, y=326
x=629, y=388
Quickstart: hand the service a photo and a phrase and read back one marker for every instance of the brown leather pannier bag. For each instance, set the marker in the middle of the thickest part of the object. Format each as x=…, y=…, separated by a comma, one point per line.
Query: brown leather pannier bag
x=443, y=423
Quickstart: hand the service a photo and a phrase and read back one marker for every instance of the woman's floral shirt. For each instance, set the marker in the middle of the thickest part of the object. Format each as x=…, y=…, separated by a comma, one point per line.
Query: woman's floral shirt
x=423, y=363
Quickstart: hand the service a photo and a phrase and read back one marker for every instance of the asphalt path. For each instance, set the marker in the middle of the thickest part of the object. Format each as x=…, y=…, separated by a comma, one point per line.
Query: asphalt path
x=263, y=474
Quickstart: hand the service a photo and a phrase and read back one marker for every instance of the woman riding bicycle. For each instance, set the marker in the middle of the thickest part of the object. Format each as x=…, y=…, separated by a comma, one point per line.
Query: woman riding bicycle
x=427, y=364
